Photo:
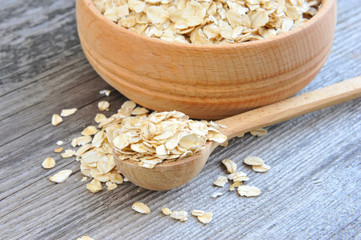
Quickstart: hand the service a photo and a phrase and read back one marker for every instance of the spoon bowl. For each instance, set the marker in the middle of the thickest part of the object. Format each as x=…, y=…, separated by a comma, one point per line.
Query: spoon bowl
x=172, y=174
x=169, y=174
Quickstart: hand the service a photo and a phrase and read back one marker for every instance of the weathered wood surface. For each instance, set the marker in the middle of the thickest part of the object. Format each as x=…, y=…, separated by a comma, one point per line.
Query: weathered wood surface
x=311, y=192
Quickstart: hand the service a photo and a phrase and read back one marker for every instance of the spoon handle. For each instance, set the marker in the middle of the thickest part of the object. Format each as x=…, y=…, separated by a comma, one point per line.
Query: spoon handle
x=292, y=107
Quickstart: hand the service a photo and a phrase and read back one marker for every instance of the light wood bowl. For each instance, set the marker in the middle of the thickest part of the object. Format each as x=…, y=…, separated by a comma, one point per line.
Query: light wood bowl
x=205, y=81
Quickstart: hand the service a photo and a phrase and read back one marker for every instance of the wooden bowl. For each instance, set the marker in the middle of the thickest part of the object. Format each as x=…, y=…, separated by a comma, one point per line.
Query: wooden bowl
x=205, y=81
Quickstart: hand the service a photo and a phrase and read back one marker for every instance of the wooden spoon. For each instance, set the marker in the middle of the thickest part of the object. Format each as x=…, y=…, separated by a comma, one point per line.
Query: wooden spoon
x=170, y=175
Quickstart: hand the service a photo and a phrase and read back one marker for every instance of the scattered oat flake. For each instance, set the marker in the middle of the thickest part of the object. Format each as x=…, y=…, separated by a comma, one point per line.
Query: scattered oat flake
x=59, y=143
x=234, y=185
x=56, y=119
x=58, y=150
x=180, y=215
x=68, y=153
x=253, y=160
x=85, y=238
x=248, y=191
x=105, y=92
x=236, y=175
x=115, y=177
x=94, y=186
x=230, y=165
x=103, y=105
x=197, y=213
x=90, y=130
x=48, y=163
x=240, y=178
x=84, y=179
x=111, y=186
x=82, y=150
x=140, y=207
x=206, y=217
x=100, y=117
x=216, y=194
x=258, y=132
x=139, y=111
x=166, y=211
x=60, y=176
x=261, y=168
x=68, y=112
x=221, y=181
x=81, y=141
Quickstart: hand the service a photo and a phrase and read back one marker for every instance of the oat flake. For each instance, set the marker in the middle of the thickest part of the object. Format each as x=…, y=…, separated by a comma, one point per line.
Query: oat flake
x=253, y=160
x=56, y=120
x=248, y=191
x=68, y=112
x=221, y=181
x=103, y=105
x=140, y=207
x=48, y=163
x=60, y=176
x=206, y=217
x=166, y=211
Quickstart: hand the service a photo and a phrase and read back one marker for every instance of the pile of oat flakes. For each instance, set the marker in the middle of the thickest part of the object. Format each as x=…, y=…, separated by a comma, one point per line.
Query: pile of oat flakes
x=208, y=21
x=149, y=139
x=136, y=135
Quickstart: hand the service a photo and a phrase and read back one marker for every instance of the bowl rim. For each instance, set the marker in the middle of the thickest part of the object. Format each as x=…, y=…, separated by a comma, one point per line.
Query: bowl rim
x=325, y=6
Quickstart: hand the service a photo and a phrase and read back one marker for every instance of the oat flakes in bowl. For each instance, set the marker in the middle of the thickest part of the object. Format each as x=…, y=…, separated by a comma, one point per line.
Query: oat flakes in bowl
x=208, y=21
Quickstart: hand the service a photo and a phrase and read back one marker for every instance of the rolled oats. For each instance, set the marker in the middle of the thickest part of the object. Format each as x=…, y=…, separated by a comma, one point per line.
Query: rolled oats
x=206, y=217
x=58, y=150
x=60, y=176
x=248, y=191
x=103, y=105
x=48, y=163
x=68, y=153
x=236, y=175
x=253, y=160
x=68, y=112
x=221, y=181
x=105, y=92
x=100, y=117
x=90, y=130
x=111, y=186
x=208, y=22
x=230, y=165
x=180, y=215
x=261, y=168
x=157, y=137
x=140, y=207
x=234, y=185
x=56, y=119
x=197, y=213
x=94, y=186
x=166, y=211
x=81, y=141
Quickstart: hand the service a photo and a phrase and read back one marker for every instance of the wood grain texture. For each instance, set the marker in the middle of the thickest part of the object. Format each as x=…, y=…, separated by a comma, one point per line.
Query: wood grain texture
x=311, y=192
x=205, y=81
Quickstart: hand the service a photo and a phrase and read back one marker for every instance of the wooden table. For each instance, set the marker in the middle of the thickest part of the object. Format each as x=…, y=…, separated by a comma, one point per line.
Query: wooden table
x=311, y=192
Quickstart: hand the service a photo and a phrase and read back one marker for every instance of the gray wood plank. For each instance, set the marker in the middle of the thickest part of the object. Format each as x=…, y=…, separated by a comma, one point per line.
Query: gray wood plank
x=311, y=192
